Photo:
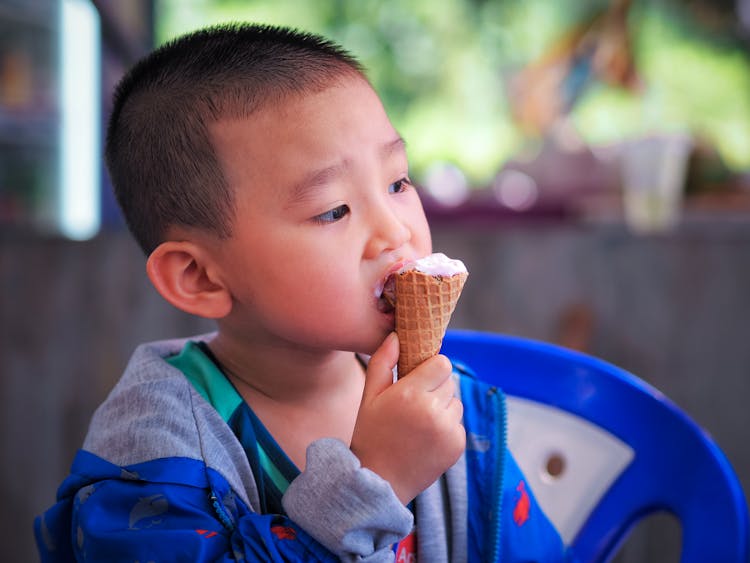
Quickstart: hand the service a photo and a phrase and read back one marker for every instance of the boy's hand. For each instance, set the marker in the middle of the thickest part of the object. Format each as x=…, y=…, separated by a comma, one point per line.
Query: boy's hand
x=409, y=432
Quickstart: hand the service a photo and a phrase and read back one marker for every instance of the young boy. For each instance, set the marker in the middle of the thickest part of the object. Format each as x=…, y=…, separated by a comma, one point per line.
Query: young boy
x=260, y=174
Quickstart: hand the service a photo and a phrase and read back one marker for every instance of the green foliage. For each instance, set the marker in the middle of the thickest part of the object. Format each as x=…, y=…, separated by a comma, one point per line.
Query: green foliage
x=689, y=85
x=442, y=70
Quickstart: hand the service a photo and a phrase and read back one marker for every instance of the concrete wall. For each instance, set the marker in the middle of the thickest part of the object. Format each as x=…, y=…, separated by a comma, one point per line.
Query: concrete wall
x=673, y=309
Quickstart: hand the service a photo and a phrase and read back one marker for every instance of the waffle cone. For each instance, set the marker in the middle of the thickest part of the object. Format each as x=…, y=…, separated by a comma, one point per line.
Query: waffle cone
x=424, y=305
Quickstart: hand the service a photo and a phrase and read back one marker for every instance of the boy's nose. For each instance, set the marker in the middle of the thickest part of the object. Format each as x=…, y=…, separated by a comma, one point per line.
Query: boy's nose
x=389, y=232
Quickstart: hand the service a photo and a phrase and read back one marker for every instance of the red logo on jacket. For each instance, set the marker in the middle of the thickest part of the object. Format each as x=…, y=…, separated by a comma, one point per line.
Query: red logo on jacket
x=523, y=505
x=284, y=532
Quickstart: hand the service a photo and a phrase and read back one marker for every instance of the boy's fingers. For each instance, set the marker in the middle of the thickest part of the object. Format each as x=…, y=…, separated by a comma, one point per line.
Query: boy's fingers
x=434, y=373
x=445, y=391
x=380, y=367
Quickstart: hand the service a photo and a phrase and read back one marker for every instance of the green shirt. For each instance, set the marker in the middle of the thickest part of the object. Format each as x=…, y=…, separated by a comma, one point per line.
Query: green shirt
x=272, y=468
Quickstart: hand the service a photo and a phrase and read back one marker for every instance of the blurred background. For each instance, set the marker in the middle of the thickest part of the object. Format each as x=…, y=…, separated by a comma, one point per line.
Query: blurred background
x=589, y=160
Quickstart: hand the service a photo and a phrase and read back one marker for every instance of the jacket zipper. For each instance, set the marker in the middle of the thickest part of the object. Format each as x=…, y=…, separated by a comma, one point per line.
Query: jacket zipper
x=499, y=475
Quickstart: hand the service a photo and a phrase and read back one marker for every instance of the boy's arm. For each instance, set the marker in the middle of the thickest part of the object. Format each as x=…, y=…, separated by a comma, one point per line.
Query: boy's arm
x=409, y=432
x=349, y=509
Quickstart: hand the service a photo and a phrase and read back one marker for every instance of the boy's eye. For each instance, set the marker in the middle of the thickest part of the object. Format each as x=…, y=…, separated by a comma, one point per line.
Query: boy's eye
x=399, y=186
x=332, y=215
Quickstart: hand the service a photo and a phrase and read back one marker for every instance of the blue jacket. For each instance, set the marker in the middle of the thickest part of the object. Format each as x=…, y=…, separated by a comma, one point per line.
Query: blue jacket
x=159, y=479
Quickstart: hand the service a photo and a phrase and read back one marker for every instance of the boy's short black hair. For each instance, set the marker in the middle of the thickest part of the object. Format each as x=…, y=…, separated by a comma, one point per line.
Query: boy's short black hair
x=159, y=154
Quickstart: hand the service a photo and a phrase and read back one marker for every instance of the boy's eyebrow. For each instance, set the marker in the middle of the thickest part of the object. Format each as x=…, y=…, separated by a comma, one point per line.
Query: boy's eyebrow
x=322, y=176
x=397, y=144
x=313, y=180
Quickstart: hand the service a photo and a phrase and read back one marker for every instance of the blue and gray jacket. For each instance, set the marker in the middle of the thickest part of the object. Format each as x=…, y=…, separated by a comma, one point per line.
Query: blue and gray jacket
x=162, y=477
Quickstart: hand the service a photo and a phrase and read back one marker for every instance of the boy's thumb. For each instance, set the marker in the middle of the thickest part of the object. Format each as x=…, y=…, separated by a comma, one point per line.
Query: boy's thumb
x=380, y=367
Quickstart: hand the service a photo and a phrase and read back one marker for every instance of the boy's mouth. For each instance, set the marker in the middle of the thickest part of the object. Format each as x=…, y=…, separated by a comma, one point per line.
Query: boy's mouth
x=386, y=294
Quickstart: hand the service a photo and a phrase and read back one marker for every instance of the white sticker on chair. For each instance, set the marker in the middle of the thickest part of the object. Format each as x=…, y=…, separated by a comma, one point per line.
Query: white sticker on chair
x=568, y=462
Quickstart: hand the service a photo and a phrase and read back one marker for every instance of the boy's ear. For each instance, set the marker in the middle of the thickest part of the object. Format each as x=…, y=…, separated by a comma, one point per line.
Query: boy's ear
x=183, y=274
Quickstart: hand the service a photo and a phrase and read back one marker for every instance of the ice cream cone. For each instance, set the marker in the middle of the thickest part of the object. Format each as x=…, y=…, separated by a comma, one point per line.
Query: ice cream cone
x=424, y=305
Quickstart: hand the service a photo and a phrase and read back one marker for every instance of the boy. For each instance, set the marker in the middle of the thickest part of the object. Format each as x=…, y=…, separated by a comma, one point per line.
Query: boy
x=260, y=174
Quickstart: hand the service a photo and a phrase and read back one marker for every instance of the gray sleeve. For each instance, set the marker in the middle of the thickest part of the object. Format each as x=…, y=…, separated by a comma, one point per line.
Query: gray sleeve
x=350, y=510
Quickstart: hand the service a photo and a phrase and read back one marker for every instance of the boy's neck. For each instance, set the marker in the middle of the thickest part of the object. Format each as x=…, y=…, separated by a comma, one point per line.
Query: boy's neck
x=285, y=374
x=300, y=396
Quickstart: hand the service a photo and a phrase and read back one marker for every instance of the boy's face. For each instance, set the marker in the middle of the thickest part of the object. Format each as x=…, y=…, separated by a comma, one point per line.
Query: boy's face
x=324, y=214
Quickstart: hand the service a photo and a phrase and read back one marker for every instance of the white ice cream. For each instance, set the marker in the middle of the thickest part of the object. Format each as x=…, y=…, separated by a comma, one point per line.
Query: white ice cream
x=437, y=264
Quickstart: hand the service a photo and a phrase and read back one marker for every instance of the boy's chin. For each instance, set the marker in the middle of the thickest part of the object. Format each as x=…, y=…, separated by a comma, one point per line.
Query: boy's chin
x=369, y=347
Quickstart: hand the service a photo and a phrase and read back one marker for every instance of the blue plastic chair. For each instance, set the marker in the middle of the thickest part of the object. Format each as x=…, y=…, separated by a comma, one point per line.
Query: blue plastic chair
x=602, y=449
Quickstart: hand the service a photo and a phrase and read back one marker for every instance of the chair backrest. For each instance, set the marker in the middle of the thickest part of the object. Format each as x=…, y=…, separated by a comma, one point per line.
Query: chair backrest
x=602, y=449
